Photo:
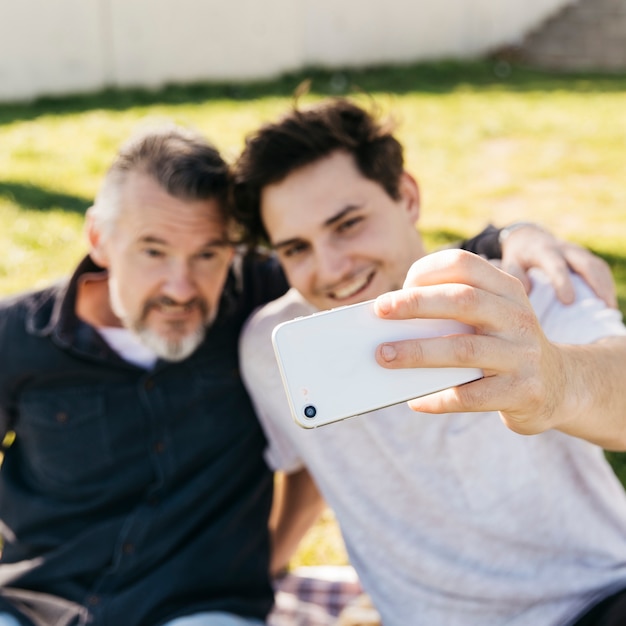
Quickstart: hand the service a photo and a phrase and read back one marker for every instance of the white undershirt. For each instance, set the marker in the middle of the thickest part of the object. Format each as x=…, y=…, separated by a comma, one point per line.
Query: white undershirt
x=128, y=346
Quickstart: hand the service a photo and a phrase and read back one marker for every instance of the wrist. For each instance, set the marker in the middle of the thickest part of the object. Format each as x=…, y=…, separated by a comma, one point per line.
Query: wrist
x=507, y=231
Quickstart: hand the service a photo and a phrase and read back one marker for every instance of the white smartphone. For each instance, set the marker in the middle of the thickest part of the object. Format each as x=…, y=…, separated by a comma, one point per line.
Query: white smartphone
x=328, y=366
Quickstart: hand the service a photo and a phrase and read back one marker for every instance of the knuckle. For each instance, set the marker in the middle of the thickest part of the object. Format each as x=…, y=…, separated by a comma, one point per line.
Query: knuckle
x=466, y=298
x=413, y=300
x=416, y=353
x=465, y=350
x=464, y=259
x=455, y=257
x=519, y=292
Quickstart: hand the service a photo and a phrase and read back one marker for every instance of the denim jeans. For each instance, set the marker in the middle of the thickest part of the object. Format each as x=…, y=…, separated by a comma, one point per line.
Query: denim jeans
x=208, y=619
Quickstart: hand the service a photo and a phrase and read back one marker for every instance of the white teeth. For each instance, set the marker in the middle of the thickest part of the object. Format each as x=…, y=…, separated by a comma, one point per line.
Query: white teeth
x=351, y=288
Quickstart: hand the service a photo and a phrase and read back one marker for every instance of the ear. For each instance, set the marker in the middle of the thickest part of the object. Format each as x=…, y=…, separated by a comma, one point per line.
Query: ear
x=410, y=192
x=96, y=239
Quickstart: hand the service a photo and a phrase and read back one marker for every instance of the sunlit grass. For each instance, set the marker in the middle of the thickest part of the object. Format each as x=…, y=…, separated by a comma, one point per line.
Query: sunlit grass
x=532, y=146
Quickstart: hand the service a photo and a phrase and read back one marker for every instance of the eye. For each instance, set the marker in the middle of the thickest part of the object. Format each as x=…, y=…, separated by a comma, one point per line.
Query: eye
x=349, y=223
x=153, y=253
x=294, y=249
x=207, y=255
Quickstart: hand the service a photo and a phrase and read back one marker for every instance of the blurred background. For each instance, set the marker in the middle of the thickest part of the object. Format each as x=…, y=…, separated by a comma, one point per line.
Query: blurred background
x=83, y=45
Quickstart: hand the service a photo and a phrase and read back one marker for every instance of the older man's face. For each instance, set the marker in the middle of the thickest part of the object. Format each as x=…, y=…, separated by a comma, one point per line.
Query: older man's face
x=167, y=262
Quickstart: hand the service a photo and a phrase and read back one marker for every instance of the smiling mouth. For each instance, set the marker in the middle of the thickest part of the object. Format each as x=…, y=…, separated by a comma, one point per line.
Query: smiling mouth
x=353, y=287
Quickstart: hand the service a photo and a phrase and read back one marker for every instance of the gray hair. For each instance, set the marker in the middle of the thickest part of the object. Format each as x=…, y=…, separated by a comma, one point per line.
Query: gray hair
x=180, y=160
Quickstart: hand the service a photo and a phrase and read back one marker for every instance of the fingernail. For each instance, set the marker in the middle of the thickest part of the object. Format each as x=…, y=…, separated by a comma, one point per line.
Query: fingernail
x=388, y=352
x=384, y=304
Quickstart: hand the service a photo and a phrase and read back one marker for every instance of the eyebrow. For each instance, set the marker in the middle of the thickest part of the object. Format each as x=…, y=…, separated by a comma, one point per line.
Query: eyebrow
x=212, y=243
x=329, y=222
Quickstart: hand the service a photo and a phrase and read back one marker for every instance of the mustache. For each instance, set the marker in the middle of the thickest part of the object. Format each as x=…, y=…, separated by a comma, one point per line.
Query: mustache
x=154, y=303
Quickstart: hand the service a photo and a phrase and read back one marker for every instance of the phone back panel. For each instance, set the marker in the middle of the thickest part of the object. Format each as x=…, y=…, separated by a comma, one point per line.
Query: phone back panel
x=329, y=370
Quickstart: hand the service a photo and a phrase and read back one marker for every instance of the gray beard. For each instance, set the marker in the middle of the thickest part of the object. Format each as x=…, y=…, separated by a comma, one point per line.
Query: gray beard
x=172, y=350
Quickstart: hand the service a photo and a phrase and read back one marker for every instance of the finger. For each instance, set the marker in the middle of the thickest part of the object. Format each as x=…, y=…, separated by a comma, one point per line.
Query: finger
x=484, y=395
x=474, y=307
x=491, y=354
x=516, y=270
x=556, y=268
x=450, y=285
x=456, y=266
x=595, y=271
x=478, y=395
x=486, y=312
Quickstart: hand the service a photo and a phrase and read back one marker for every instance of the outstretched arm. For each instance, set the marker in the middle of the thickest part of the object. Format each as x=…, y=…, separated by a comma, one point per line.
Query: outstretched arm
x=523, y=245
x=536, y=384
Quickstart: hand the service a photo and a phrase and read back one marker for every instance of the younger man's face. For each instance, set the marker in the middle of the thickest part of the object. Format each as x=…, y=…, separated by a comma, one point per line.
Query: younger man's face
x=340, y=237
x=167, y=262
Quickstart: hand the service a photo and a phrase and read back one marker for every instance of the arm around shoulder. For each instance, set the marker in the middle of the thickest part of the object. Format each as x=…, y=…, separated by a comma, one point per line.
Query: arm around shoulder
x=297, y=505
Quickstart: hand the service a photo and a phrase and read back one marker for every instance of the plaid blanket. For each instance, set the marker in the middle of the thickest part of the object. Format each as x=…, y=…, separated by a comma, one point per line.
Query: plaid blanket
x=314, y=596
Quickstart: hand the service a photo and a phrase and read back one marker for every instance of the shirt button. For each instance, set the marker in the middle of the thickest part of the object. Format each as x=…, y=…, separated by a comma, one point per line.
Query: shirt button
x=128, y=548
x=93, y=600
x=159, y=447
x=62, y=417
x=149, y=384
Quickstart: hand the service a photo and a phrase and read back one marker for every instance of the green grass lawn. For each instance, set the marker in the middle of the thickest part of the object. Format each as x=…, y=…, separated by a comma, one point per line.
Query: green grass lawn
x=485, y=148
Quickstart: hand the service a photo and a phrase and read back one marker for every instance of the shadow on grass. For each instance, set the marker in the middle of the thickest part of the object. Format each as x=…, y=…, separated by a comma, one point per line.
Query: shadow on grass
x=35, y=198
x=439, y=77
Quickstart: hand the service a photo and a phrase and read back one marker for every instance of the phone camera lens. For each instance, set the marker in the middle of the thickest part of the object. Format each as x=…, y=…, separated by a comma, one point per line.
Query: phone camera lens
x=310, y=411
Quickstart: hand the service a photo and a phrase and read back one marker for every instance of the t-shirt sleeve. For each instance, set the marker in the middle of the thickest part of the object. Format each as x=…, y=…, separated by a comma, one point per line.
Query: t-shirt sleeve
x=261, y=376
x=584, y=321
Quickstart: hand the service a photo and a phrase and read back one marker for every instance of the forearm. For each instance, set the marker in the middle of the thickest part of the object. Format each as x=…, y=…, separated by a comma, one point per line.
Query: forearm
x=594, y=406
x=297, y=505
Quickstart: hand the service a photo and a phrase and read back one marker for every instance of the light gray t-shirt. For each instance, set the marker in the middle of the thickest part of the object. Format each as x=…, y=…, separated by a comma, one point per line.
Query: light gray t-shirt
x=454, y=520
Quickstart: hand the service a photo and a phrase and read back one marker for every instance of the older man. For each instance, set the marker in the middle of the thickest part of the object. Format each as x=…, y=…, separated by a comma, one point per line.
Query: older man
x=135, y=492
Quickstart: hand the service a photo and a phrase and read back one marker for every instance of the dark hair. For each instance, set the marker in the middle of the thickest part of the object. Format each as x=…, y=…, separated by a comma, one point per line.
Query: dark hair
x=304, y=136
x=181, y=161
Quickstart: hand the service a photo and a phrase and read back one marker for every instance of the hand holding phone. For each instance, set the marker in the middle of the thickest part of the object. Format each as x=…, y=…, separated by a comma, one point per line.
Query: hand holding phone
x=328, y=366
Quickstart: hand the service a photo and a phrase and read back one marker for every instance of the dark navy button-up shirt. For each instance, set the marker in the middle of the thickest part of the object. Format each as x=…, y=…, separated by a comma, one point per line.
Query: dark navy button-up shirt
x=136, y=495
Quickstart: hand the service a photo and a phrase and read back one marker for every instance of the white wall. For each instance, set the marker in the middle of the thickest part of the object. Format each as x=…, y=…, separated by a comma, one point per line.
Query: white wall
x=64, y=46
x=49, y=47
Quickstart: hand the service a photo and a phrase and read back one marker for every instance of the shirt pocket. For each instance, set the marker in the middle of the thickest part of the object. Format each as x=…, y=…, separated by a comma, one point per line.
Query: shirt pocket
x=64, y=438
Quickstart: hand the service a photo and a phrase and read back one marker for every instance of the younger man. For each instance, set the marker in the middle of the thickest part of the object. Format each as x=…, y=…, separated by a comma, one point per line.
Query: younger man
x=449, y=519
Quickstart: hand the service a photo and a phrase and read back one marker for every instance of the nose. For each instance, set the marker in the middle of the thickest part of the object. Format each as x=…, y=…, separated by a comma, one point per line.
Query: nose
x=179, y=284
x=331, y=265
